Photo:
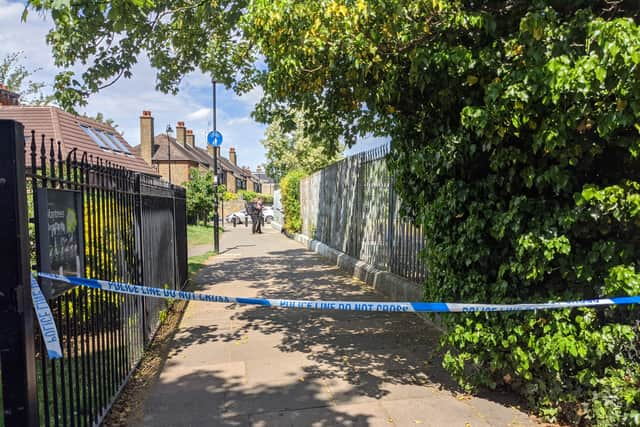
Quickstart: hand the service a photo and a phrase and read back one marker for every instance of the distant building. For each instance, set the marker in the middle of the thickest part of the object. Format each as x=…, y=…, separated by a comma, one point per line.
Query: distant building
x=267, y=184
x=173, y=158
x=97, y=139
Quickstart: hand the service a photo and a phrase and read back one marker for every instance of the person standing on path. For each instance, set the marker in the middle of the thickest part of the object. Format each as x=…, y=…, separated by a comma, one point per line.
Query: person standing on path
x=249, y=208
x=259, y=205
x=252, y=210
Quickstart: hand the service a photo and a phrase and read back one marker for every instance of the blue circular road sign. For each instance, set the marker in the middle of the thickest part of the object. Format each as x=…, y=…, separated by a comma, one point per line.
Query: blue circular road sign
x=214, y=138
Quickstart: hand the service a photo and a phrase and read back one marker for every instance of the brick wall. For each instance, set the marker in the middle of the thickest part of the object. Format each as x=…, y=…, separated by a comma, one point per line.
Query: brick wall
x=179, y=172
x=231, y=183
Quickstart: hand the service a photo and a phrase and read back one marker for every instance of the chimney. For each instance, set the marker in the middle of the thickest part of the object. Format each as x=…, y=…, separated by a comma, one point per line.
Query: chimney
x=232, y=156
x=7, y=97
x=146, y=137
x=181, y=134
x=191, y=139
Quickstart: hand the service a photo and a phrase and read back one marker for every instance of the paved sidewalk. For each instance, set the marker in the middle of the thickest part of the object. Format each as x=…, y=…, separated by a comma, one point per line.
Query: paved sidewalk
x=255, y=366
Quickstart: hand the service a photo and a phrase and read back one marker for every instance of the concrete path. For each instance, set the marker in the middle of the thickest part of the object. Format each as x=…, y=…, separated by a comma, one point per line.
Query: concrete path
x=254, y=366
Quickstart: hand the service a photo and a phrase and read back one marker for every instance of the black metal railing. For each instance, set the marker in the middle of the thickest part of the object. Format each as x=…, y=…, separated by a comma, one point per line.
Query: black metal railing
x=134, y=230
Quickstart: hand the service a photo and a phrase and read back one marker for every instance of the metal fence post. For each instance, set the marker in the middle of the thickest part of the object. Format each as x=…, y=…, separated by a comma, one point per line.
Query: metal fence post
x=391, y=218
x=139, y=224
x=17, y=344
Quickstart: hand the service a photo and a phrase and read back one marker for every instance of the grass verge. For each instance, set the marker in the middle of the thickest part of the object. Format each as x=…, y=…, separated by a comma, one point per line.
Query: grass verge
x=195, y=263
x=200, y=234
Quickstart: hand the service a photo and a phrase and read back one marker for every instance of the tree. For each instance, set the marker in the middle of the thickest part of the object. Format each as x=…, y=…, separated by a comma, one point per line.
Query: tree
x=199, y=195
x=18, y=79
x=288, y=151
x=178, y=37
x=100, y=118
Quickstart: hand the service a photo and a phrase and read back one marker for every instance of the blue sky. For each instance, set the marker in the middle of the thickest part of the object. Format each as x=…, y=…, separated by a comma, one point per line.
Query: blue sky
x=124, y=101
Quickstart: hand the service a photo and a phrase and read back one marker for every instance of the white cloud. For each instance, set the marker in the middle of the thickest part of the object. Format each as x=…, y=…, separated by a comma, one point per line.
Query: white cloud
x=27, y=37
x=252, y=97
x=9, y=10
x=239, y=121
x=202, y=113
x=196, y=79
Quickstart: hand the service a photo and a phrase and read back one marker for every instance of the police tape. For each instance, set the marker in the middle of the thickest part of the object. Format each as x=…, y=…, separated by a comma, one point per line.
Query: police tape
x=375, y=306
x=46, y=321
x=414, y=307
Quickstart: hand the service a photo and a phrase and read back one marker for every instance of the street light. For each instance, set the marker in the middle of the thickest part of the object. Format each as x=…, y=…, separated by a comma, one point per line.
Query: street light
x=216, y=236
x=169, y=131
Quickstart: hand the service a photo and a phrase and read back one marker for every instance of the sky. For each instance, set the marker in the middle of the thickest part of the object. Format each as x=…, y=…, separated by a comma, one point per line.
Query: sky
x=124, y=101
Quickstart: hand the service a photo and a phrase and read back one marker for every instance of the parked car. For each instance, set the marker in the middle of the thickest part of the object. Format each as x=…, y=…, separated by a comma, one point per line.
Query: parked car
x=267, y=214
x=240, y=216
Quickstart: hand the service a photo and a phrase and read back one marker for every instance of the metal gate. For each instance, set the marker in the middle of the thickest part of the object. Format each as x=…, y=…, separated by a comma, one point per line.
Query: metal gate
x=133, y=230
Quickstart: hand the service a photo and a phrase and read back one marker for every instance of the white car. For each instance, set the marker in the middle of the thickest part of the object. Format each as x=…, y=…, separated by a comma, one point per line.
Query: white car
x=240, y=216
x=267, y=214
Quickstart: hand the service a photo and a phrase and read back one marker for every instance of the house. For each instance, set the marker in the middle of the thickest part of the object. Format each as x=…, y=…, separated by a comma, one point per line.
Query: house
x=170, y=158
x=233, y=177
x=267, y=184
x=97, y=139
x=174, y=158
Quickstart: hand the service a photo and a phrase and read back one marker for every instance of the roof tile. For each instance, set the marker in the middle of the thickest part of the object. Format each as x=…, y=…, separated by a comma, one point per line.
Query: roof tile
x=55, y=123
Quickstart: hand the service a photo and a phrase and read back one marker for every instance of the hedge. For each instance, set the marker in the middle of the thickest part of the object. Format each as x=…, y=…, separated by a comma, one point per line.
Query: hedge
x=522, y=165
x=250, y=195
x=290, y=188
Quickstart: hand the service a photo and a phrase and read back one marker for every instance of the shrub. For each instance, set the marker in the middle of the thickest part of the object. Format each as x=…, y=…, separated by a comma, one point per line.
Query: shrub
x=523, y=169
x=227, y=195
x=250, y=195
x=290, y=188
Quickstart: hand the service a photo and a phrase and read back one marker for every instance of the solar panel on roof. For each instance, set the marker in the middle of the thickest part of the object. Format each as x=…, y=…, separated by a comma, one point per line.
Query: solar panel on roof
x=94, y=137
x=117, y=142
x=107, y=141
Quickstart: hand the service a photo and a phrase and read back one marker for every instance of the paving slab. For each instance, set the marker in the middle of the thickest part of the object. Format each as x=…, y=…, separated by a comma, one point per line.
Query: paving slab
x=255, y=366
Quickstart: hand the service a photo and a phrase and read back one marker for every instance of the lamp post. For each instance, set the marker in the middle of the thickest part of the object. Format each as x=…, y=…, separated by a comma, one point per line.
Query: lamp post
x=216, y=236
x=169, y=131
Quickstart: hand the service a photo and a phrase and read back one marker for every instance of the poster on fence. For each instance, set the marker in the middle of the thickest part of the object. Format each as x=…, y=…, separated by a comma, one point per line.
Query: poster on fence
x=60, y=220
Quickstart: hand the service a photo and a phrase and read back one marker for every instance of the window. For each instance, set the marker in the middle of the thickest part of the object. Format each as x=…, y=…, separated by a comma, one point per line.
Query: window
x=106, y=141
x=94, y=137
x=117, y=143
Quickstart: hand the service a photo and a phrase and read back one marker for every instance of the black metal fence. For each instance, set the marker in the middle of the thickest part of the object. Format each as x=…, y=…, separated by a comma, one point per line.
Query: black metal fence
x=352, y=206
x=134, y=230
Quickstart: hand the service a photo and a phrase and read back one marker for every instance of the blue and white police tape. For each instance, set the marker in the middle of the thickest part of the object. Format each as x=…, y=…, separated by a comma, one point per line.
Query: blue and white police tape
x=48, y=327
x=416, y=307
x=46, y=321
